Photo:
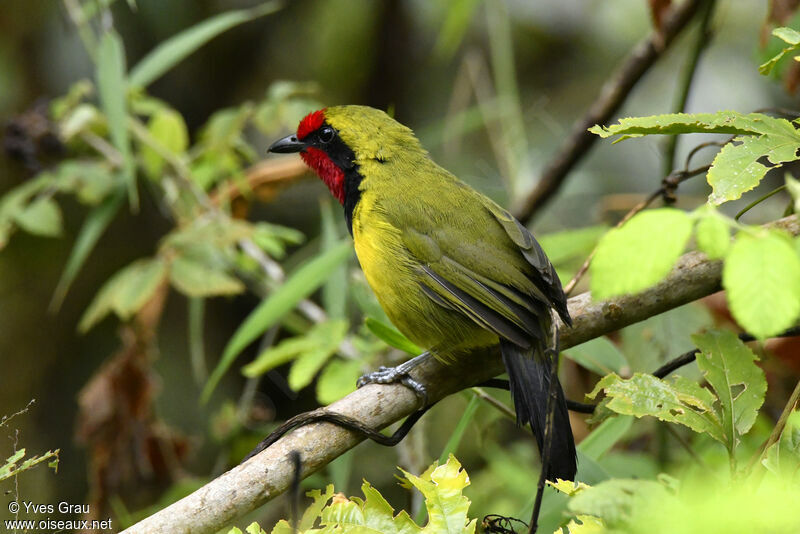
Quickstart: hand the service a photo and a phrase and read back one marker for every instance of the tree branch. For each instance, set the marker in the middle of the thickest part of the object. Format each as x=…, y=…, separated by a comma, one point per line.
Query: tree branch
x=612, y=96
x=268, y=474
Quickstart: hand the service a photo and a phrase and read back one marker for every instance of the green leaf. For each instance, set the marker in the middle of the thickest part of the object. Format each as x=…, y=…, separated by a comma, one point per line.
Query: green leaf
x=40, y=217
x=298, y=286
x=783, y=456
x=166, y=126
x=12, y=467
x=736, y=169
x=605, y=436
x=600, y=356
x=458, y=17
x=788, y=35
x=196, y=279
x=713, y=236
x=112, y=89
x=726, y=122
x=675, y=400
x=640, y=253
x=614, y=501
x=337, y=379
x=454, y=440
x=93, y=227
x=334, y=292
x=762, y=279
x=175, y=49
x=571, y=244
x=447, y=506
x=729, y=367
x=125, y=292
x=90, y=181
x=326, y=336
x=392, y=337
x=277, y=355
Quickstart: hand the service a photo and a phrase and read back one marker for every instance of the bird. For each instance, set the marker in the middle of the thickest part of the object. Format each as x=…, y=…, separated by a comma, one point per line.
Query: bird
x=454, y=272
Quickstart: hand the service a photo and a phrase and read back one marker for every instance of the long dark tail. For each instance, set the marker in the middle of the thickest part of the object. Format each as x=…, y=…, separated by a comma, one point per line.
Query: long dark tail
x=529, y=376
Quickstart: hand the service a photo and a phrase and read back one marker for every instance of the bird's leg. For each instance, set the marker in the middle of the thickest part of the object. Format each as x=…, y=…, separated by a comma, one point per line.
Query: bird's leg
x=400, y=374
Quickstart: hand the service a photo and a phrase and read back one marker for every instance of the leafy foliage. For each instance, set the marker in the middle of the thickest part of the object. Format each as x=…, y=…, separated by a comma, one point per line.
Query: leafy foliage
x=789, y=36
x=640, y=253
x=726, y=414
x=736, y=169
x=441, y=487
x=762, y=277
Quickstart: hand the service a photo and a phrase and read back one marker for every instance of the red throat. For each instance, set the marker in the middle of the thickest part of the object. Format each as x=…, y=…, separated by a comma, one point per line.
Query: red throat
x=332, y=175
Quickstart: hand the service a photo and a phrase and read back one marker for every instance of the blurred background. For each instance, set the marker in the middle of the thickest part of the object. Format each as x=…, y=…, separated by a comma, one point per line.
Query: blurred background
x=492, y=89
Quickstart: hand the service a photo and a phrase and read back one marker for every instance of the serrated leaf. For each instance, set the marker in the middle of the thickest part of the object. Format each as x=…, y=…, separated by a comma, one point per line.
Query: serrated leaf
x=112, y=89
x=40, y=217
x=392, y=337
x=729, y=367
x=713, y=236
x=640, y=253
x=675, y=400
x=600, y=356
x=447, y=506
x=195, y=279
x=311, y=514
x=736, y=169
x=762, y=279
x=337, y=379
x=326, y=336
x=97, y=220
x=304, y=281
x=125, y=292
x=175, y=49
x=166, y=126
x=726, y=122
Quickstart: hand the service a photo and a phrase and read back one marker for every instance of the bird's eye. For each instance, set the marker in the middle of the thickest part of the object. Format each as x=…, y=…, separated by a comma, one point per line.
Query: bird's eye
x=326, y=134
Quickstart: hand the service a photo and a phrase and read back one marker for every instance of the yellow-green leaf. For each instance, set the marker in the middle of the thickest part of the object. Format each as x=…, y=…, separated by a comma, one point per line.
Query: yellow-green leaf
x=166, y=126
x=40, y=217
x=762, y=279
x=195, y=279
x=640, y=253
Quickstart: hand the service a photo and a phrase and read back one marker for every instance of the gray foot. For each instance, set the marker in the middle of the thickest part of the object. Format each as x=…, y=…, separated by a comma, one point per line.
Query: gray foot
x=397, y=375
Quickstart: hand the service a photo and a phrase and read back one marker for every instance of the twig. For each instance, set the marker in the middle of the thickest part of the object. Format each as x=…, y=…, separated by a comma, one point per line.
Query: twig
x=611, y=97
x=703, y=38
x=502, y=408
x=269, y=474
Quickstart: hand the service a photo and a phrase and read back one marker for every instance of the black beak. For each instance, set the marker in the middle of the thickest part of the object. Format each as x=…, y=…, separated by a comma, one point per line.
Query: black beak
x=287, y=145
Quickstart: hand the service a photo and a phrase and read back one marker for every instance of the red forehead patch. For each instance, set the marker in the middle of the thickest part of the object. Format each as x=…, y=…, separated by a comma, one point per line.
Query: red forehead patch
x=310, y=123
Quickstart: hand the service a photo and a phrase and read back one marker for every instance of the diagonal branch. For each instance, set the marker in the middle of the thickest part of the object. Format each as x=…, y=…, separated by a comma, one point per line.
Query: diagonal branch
x=267, y=475
x=612, y=96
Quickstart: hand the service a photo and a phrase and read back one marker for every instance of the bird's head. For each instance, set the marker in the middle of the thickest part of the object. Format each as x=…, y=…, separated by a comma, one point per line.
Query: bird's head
x=338, y=140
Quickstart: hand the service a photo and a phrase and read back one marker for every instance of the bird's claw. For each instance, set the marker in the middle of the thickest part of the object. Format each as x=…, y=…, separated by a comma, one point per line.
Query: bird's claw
x=395, y=375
